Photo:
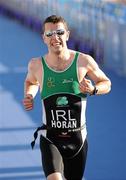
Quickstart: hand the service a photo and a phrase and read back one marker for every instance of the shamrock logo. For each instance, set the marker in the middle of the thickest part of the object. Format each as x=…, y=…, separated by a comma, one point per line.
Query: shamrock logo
x=62, y=101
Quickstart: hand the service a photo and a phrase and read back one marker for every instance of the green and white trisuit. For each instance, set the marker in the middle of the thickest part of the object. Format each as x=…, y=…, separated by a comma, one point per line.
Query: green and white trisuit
x=63, y=117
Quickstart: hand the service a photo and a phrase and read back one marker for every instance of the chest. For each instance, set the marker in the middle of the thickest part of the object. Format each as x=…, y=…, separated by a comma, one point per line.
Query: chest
x=81, y=72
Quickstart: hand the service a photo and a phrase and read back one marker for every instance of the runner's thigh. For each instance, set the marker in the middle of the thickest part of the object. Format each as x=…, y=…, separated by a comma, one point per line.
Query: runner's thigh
x=51, y=157
x=74, y=167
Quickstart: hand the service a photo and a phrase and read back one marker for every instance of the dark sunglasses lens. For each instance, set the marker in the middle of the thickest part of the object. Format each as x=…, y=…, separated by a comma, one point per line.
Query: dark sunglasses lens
x=49, y=34
x=60, y=32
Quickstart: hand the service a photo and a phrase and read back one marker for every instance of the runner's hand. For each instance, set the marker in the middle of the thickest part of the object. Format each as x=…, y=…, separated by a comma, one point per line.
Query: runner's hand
x=86, y=86
x=28, y=102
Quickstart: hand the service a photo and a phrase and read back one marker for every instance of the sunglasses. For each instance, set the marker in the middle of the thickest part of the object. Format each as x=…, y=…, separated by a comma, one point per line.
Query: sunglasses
x=58, y=32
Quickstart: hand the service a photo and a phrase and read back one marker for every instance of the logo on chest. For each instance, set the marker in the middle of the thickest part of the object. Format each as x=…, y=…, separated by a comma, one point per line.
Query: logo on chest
x=65, y=81
x=50, y=82
x=62, y=101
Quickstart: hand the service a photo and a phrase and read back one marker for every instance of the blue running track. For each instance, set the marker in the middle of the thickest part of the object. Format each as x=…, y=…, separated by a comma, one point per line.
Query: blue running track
x=106, y=115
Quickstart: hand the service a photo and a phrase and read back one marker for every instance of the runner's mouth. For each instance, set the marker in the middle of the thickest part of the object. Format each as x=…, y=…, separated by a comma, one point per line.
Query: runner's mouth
x=56, y=44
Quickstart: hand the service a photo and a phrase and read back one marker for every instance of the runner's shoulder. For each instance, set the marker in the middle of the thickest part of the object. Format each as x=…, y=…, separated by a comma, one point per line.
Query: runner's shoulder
x=84, y=59
x=87, y=61
x=34, y=63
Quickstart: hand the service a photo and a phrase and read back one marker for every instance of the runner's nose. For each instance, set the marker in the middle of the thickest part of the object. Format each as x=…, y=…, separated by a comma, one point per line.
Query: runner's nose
x=55, y=35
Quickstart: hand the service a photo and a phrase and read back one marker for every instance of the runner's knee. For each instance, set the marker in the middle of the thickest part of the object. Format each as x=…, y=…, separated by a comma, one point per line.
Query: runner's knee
x=55, y=176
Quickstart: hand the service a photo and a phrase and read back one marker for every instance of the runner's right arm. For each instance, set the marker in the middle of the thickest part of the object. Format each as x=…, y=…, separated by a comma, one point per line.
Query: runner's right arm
x=31, y=86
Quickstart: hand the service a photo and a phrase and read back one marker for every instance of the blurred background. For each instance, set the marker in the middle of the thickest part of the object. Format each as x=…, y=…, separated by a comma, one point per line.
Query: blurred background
x=97, y=28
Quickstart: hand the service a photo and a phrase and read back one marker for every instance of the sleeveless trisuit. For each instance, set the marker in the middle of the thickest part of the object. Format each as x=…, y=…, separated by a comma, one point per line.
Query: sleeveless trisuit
x=63, y=136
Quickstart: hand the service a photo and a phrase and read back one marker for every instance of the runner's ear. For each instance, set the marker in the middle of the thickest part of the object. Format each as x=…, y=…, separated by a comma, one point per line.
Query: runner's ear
x=43, y=37
x=67, y=36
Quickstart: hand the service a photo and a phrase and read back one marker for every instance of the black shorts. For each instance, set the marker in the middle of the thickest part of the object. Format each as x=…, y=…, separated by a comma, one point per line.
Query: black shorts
x=55, y=160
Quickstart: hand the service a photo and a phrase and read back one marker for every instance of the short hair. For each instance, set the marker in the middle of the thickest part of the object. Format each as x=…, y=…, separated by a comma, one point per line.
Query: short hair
x=54, y=19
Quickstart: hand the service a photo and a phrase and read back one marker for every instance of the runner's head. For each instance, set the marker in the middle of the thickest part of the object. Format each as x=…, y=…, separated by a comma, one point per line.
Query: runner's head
x=55, y=19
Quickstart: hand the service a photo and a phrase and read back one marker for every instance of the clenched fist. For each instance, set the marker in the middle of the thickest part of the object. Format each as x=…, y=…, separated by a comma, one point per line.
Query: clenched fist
x=28, y=102
x=86, y=86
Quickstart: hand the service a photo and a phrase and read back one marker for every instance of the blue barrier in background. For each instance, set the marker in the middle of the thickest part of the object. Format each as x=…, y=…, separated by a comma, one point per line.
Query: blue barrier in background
x=97, y=27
